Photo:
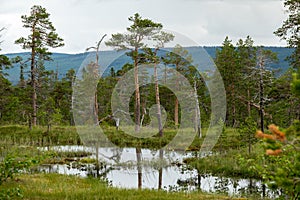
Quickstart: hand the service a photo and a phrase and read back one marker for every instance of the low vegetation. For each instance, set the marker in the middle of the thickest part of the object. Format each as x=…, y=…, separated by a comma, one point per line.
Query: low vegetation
x=54, y=186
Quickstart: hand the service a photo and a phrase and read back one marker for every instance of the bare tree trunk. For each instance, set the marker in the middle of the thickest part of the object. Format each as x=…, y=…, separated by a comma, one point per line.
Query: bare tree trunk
x=176, y=103
x=251, y=186
x=161, y=156
x=264, y=190
x=176, y=112
x=197, y=111
x=138, y=151
x=34, y=107
x=22, y=79
x=96, y=108
x=160, y=128
x=97, y=160
x=33, y=84
x=30, y=122
x=137, y=93
x=261, y=94
x=249, y=143
x=198, y=180
x=233, y=107
x=248, y=103
x=144, y=112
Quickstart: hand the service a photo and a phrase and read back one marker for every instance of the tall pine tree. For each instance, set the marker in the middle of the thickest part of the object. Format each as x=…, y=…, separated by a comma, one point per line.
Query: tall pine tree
x=42, y=35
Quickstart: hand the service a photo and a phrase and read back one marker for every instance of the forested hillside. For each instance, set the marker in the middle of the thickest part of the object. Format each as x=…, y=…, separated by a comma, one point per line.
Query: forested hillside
x=61, y=62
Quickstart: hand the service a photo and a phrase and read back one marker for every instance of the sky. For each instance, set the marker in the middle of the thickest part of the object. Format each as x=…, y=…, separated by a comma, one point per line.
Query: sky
x=81, y=23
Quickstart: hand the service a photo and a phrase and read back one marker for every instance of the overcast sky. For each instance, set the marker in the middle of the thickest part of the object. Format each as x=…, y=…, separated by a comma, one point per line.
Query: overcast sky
x=207, y=22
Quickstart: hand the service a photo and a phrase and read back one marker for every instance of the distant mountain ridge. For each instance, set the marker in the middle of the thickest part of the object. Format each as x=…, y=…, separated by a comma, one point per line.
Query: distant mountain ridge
x=62, y=62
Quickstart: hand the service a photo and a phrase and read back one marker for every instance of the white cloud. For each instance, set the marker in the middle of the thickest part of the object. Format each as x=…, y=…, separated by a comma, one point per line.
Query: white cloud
x=81, y=23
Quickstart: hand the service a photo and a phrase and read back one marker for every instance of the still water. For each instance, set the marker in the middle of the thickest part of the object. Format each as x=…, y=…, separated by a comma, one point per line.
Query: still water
x=153, y=169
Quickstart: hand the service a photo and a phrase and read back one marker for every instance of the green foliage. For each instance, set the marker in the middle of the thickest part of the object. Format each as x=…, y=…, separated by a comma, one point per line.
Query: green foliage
x=296, y=83
x=12, y=193
x=5, y=63
x=234, y=163
x=138, y=31
x=247, y=131
x=11, y=166
x=284, y=104
x=17, y=160
x=227, y=63
x=290, y=30
x=247, y=79
x=281, y=170
x=294, y=130
x=48, y=114
x=54, y=102
x=42, y=32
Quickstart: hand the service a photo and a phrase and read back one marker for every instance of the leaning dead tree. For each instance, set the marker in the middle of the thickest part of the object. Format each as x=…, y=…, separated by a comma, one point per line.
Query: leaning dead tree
x=197, y=111
x=96, y=75
x=95, y=72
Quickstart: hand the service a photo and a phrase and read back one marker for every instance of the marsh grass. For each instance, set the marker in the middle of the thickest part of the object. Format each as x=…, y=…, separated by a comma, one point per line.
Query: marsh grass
x=72, y=154
x=55, y=186
x=67, y=135
x=65, y=157
x=38, y=136
x=232, y=163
